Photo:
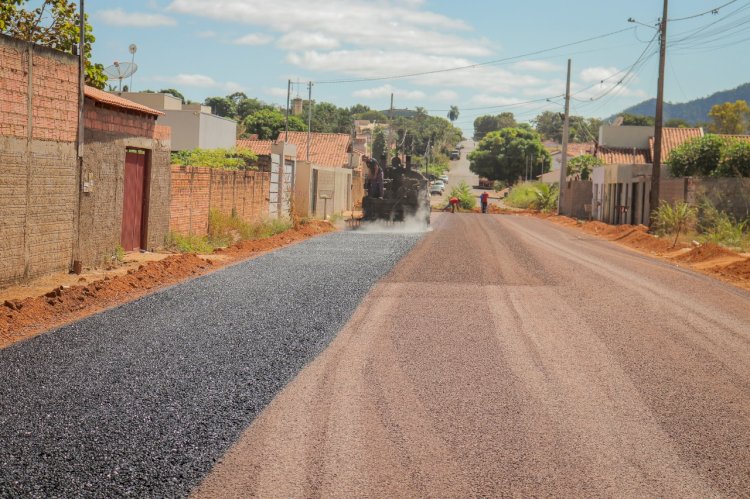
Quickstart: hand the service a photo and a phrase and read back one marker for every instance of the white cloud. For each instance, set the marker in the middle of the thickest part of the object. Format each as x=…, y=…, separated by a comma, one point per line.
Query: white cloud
x=607, y=81
x=366, y=24
x=387, y=90
x=298, y=40
x=445, y=95
x=120, y=18
x=253, y=39
x=598, y=73
x=276, y=92
x=199, y=81
x=540, y=66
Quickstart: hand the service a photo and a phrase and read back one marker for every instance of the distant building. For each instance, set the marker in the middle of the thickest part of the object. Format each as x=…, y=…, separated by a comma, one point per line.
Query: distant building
x=193, y=125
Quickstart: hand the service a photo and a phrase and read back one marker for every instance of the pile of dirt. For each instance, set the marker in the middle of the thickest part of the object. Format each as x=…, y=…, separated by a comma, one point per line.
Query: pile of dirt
x=703, y=253
x=734, y=272
x=20, y=319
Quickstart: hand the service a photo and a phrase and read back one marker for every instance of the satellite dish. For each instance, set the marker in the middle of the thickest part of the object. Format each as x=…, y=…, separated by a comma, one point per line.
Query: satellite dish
x=618, y=121
x=120, y=70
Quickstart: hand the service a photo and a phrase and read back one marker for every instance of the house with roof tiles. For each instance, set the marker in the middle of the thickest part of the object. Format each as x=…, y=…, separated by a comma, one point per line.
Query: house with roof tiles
x=622, y=186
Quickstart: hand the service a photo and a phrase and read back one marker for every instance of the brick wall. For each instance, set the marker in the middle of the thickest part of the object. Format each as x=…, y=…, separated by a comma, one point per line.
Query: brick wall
x=196, y=190
x=37, y=159
x=108, y=133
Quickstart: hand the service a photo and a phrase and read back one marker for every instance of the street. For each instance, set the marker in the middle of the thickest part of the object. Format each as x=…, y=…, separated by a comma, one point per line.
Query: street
x=507, y=356
x=491, y=356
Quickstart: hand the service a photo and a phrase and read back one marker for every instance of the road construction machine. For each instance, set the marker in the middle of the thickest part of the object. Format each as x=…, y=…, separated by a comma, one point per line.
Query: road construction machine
x=405, y=195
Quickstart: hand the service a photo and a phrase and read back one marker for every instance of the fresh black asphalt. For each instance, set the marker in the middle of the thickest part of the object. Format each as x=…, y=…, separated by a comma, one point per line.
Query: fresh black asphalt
x=141, y=400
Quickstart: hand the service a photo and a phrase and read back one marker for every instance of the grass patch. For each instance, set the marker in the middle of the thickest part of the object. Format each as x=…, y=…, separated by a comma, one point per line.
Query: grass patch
x=189, y=244
x=533, y=196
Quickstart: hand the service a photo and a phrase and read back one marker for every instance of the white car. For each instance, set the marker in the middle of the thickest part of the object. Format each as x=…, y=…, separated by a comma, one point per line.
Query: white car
x=444, y=178
x=437, y=187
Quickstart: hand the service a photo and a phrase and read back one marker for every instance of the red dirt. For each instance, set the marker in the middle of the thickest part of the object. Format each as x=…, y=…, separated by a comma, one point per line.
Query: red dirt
x=703, y=253
x=734, y=271
x=20, y=319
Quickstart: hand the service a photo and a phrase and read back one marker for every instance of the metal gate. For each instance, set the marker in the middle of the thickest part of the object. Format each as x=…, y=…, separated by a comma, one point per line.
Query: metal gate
x=132, y=206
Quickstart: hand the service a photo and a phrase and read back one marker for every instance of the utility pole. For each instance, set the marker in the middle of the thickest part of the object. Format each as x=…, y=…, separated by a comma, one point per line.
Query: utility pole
x=286, y=117
x=653, y=199
x=564, y=161
x=77, y=263
x=309, y=117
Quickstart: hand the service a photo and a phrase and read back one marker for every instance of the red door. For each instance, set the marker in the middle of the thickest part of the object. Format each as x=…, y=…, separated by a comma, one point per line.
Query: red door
x=132, y=207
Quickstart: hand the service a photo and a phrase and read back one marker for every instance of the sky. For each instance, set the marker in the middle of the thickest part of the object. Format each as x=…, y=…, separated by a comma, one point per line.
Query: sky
x=513, y=55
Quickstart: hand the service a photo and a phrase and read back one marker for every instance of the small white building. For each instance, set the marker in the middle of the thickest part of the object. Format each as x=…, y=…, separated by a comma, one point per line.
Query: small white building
x=193, y=125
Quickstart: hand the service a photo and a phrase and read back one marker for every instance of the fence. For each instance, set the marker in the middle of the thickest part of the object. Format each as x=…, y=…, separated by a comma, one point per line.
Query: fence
x=196, y=190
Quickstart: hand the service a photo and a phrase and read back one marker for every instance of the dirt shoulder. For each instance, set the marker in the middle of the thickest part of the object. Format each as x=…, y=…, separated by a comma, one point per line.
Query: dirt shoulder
x=53, y=301
x=710, y=259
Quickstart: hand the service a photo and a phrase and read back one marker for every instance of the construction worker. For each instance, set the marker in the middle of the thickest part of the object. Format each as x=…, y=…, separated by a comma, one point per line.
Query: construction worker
x=376, y=181
x=484, y=198
x=453, y=202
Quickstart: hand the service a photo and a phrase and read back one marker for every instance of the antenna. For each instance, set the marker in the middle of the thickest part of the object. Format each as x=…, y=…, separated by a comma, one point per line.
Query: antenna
x=120, y=70
x=132, y=48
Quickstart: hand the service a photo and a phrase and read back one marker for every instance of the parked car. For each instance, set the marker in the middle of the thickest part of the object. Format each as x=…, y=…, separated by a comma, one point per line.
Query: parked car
x=437, y=187
x=444, y=178
x=455, y=154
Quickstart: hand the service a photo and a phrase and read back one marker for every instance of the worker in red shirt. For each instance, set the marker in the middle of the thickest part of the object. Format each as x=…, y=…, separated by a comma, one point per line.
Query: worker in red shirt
x=484, y=198
x=453, y=204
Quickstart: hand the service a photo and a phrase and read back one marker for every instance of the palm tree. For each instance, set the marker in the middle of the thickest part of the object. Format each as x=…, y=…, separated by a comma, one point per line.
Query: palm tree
x=453, y=113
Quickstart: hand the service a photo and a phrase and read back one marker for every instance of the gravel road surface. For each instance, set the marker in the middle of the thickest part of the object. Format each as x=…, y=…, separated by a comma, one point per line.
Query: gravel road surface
x=142, y=399
x=507, y=356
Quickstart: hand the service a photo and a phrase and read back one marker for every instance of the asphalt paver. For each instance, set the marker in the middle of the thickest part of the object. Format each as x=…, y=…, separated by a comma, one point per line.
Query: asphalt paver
x=141, y=400
x=507, y=356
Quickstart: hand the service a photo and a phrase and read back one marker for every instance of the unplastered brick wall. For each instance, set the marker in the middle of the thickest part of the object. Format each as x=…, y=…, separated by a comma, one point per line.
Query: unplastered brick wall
x=108, y=133
x=196, y=190
x=38, y=111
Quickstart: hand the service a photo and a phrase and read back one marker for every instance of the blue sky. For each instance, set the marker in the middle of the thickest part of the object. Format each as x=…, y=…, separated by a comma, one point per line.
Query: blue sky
x=215, y=47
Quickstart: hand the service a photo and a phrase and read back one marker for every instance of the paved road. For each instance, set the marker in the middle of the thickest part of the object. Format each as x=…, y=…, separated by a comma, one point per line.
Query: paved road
x=141, y=400
x=509, y=356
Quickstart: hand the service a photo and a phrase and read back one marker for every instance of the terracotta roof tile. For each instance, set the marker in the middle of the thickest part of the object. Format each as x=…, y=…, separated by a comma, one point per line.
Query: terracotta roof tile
x=117, y=101
x=259, y=147
x=326, y=149
x=576, y=149
x=623, y=156
x=673, y=137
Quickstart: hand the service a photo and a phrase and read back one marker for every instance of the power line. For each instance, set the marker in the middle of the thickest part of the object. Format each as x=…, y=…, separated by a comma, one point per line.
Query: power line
x=715, y=10
x=471, y=66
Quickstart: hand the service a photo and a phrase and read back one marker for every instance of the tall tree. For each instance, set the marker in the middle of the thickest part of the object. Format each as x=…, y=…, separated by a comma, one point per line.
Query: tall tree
x=378, y=145
x=248, y=106
x=237, y=97
x=503, y=154
x=221, y=106
x=268, y=123
x=486, y=124
x=637, y=120
x=53, y=24
x=732, y=118
x=453, y=113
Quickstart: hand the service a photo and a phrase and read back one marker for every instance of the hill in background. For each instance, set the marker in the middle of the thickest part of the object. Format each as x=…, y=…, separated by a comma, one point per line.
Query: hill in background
x=694, y=111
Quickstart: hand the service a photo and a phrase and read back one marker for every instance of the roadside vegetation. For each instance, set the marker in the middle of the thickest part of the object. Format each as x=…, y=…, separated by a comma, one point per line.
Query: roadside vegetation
x=533, y=196
x=224, y=159
x=703, y=223
x=225, y=230
x=466, y=199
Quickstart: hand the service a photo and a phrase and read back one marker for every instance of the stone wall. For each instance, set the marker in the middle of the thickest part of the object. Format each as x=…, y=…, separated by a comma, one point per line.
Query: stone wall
x=38, y=122
x=197, y=190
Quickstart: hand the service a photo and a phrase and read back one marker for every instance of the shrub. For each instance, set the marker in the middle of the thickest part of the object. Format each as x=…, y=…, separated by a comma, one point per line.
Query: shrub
x=546, y=197
x=673, y=219
x=466, y=199
x=531, y=195
x=225, y=159
x=188, y=244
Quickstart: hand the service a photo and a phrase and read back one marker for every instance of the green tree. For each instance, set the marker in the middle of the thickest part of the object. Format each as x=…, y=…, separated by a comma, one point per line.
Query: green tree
x=581, y=166
x=637, y=120
x=502, y=154
x=378, y=145
x=53, y=24
x=677, y=123
x=549, y=125
x=268, y=123
x=731, y=118
x=371, y=115
x=248, y=106
x=453, y=113
x=174, y=92
x=697, y=157
x=329, y=118
x=226, y=159
x=237, y=97
x=221, y=106
x=486, y=124
x=735, y=159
